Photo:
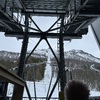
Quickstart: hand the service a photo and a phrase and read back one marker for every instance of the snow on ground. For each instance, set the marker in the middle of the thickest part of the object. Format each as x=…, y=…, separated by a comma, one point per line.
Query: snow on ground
x=42, y=86
x=94, y=93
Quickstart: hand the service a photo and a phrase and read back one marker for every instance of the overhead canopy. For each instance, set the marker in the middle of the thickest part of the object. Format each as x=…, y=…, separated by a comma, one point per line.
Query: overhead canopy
x=77, y=15
x=46, y=6
x=96, y=30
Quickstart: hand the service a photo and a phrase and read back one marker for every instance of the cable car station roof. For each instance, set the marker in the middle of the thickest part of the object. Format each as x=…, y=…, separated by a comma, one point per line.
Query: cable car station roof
x=76, y=15
x=45, y=6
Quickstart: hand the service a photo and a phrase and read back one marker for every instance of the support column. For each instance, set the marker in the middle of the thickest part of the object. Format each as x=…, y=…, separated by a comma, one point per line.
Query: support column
x=22, y=61
x=62, y=73
x=24, y=49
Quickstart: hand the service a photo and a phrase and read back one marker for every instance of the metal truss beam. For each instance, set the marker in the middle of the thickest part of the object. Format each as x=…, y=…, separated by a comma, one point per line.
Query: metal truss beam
x=20, y=4
x=53, y=24
x=61, y=64
x=84, y=25
x=15, y=23
x=66, y=36
x=5, y=25
x=53, y=29
x=52, y=50
x=39, y=13
x=32, y=51
x=72, y=23
x=35, y=24
x=24, y=48
x=90, y=12
x=53, y=88
x=22, y=59
x=9, y=77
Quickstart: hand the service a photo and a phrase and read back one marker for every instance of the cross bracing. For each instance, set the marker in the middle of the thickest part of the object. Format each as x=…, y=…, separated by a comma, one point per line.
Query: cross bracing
x=78, y=13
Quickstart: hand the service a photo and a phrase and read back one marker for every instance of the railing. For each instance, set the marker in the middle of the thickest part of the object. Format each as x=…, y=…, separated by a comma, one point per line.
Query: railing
x=8, y=10
x=95, y=98
x=74, y=7
x=33, y=98
x=44, y=98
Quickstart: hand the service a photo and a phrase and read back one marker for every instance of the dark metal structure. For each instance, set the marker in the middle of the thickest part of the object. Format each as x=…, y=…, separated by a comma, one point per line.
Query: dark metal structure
x=95, y=28
x=74, y=17
x=7, y=76
x=3, y=89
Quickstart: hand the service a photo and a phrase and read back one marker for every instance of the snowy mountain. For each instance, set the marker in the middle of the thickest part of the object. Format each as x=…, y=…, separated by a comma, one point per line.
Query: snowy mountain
x=9, y=55
x=81, y=55
x=72, y=54
x=43, y=85
x=13, y=55
x=39, y=53
x=11, y=59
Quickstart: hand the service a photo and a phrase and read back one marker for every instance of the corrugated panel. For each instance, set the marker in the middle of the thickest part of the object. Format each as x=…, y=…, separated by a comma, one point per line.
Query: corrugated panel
x=45, y=4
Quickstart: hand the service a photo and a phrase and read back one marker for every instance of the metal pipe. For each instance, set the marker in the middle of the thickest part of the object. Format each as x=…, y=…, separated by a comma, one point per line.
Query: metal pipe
x=23, y=57
x=5, y=6
x=62, y=61
x=34, y=84
x=15, y=23
x=27, y=90
x=49, y=87
x=24, y=49
x=53, y=25
x=52, y=50
x=69, y=24
x=33, y=50
x=35, y=24
x=53, y=88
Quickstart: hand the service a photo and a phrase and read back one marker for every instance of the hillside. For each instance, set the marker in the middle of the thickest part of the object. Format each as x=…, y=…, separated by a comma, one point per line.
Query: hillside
x=85, y=74
x=76, y=61
x=81, y=55
x=36, y=63
x=81, y=66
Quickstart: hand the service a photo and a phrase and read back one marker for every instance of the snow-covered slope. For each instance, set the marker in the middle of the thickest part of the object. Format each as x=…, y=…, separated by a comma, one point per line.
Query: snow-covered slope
x=42, y=86
x=81, y=55
x=72, y=54
x=5, y=55
x=8, y=55
x=40, y=52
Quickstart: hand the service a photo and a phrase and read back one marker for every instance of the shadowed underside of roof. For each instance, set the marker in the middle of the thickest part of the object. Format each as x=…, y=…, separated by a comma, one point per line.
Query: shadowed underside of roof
x=46, y=7
x=74, y=16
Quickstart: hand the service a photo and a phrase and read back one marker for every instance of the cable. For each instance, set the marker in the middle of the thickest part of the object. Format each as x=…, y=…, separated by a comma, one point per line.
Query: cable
x=35, y=43
x=49, y=87
x=67, y=43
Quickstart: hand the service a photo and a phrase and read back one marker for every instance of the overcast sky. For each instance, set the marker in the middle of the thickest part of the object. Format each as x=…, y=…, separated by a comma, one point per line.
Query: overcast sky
x=87, y=43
